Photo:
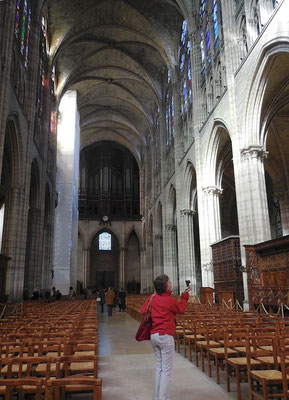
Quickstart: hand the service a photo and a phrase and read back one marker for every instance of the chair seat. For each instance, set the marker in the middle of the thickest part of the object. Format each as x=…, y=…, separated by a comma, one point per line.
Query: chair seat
x=85, y=353
x=42, y=367
x=270, y=375
x=242, y=349
x=221, y=350
x=269, y=348
x=242, y=361
x=270, y=360
x=15, y=369
x=82, y=366
x=2, y=389
x=211, y=343
x=78, y=388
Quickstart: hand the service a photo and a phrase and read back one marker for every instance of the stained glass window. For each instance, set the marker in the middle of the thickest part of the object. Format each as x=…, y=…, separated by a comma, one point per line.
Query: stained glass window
x=17, y=19
x=43, y=66
x=105, y=241
x=215, y=22
x=22, y=28
x=275, y=4
x=185, y=69
x=170, y=112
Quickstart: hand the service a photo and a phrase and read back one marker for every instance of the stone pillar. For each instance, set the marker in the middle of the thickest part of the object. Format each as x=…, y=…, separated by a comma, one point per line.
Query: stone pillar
x=158, y=255
x=171, y=266
x=66, y=215
x=33, y=248
x=143, y=269
x=86, y=265
x=150, y=266
x=283, y=198
x=253, y=215
x=14, y=240
x=210, y=218
x=187, y=266
x=122, y=261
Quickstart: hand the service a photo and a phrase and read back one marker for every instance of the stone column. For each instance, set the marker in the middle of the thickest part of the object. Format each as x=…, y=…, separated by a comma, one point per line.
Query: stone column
x=14, y=240
x=33, y=250
x=86, y=265
x=283, y=198
x=143, y=269
x=171, y=266
x=122, y=261
x=66, y=214
x=210, y=218
x=150, y=265
x=158, y=259
x=187, y=267
x=253, y=215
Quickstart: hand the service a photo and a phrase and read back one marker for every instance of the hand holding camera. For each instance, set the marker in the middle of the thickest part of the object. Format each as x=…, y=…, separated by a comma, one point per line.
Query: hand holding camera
x=189, y=286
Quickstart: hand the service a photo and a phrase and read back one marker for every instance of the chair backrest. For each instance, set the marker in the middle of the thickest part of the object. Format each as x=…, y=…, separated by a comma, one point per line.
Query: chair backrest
x=261, y=346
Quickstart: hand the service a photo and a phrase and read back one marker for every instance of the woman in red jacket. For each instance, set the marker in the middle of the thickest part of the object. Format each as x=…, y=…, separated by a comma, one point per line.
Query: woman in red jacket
x=163, y=313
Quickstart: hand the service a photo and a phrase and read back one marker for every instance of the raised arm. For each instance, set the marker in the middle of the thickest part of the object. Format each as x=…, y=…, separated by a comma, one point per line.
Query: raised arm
x=179, y=307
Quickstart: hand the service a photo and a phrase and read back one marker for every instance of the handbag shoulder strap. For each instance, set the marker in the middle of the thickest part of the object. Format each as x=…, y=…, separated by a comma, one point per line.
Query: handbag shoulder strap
x=149, y=308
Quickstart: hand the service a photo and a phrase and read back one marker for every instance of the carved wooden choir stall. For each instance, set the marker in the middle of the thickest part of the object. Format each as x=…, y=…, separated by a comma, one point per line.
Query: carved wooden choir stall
x=268, y=272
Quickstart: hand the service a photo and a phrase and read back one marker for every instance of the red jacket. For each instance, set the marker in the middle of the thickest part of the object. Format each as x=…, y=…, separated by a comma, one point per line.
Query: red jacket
x=164, y=310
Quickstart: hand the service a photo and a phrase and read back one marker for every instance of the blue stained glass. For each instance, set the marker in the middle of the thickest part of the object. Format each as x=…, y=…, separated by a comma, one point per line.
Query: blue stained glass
x=203, y=8
x=105, y=241
x=202, y=47
x=182, y=65
x=215, y=19
x=184, y=32
x=169, y=76
x=189, y=47
x=185, y=94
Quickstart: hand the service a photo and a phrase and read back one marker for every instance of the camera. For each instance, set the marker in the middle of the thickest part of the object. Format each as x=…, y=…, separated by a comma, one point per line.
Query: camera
x=188, y=283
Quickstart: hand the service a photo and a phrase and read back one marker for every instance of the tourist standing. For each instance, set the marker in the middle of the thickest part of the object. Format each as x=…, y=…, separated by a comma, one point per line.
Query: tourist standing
x=72, y=293
x=163, y=314
x=121, y=300
x=109, y=299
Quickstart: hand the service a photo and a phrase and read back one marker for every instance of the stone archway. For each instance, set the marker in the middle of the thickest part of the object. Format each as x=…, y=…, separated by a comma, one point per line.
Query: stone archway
x=104, y=260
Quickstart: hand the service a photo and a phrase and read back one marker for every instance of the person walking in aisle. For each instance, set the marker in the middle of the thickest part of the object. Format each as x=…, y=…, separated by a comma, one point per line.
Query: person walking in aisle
x=163, y=312
x=109, y=299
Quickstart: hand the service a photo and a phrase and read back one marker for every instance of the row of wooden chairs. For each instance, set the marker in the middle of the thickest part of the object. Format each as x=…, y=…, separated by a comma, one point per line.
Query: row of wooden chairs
x=50, y=350
x=246, y=346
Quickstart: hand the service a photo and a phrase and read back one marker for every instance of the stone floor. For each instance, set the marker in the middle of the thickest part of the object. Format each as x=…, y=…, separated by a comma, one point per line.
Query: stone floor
x=127, y=367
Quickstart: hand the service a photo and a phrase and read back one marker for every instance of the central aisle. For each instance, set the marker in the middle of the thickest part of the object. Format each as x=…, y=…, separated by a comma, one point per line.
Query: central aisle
x=126, y=367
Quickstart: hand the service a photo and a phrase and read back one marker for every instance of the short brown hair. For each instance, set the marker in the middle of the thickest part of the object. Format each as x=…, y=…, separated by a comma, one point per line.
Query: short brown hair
x=161, y=283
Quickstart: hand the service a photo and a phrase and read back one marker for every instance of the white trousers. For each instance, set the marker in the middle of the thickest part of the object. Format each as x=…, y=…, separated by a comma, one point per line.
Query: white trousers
x=164, y=348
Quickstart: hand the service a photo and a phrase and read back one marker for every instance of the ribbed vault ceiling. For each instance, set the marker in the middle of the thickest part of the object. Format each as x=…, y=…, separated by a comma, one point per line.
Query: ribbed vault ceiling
x=115, y=53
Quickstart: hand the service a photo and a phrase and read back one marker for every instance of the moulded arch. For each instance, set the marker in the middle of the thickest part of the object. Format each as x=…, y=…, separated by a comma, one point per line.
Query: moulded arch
x=100, y=230
x=257, y=88
x=14, y=144
x=190, y=174
x=130, y=232
x=212, y=151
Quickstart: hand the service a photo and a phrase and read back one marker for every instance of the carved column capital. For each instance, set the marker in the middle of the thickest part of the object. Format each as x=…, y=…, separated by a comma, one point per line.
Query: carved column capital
x=208, y=266
x=212, y=190
x=171, y=228
x=187, y=213
x=254, y=152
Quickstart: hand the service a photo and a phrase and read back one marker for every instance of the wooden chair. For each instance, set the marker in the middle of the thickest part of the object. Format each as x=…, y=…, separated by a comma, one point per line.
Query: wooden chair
x=236, y=367
x=284, y=348
x=8, y=386
x=203, y=346
x=76, y=385
x=262, y=348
